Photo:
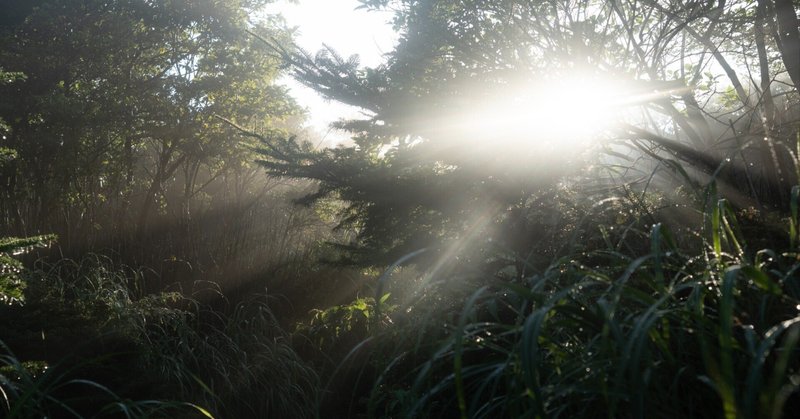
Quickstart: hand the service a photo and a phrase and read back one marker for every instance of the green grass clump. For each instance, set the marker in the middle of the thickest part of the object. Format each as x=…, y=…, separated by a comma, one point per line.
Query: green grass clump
x=706, y=331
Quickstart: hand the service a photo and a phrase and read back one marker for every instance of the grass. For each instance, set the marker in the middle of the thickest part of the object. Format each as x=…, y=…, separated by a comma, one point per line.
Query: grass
x=707, y=331
x=614, y=314
x=35, y=389
x=631, y=321
x=144, y=355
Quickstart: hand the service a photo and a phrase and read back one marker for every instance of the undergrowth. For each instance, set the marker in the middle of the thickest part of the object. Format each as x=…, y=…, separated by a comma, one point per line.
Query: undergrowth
x=704, y=327
x=89, y=343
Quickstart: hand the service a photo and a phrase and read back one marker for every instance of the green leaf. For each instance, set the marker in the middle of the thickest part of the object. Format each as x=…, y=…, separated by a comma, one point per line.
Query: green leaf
x=761, y=279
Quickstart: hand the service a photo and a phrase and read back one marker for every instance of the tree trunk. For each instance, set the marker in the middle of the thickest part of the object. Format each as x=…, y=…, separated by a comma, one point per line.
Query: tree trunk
x=789, y=38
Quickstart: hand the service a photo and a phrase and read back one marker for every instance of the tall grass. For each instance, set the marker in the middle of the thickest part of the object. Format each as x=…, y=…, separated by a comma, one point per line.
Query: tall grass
x=708, y=330
x=31, y=389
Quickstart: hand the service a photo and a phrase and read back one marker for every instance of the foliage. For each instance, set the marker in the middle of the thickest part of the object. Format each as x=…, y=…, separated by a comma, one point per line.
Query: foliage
x=416, y=177
x=335, y=330
x=651, y=271
x=121, y=140
x=668, y=332
x=100, y=338
x=7, y=154
x=30, y=390
x=11, y=284
x=117, y=126
x=586, y=313
x=586, y=304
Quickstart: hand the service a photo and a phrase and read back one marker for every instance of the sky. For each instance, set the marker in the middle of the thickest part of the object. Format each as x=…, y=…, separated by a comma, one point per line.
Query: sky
x=348, y=31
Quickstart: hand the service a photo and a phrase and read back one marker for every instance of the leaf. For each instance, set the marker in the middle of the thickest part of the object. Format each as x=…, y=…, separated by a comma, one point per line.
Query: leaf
x=761, y=279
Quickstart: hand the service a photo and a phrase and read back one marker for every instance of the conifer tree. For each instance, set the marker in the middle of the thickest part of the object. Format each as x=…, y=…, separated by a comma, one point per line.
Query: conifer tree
x=411, y=179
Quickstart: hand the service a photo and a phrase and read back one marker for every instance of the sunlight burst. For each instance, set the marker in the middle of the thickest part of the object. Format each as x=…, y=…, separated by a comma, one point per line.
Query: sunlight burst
x=561, y=113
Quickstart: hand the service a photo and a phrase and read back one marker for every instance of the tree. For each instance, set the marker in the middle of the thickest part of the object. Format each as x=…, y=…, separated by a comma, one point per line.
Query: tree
x=121, y=103
x=412, y=178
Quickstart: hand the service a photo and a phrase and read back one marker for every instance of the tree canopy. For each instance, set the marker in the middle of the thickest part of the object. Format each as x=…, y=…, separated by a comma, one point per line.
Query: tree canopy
x=707, y=82
x=122, y=104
